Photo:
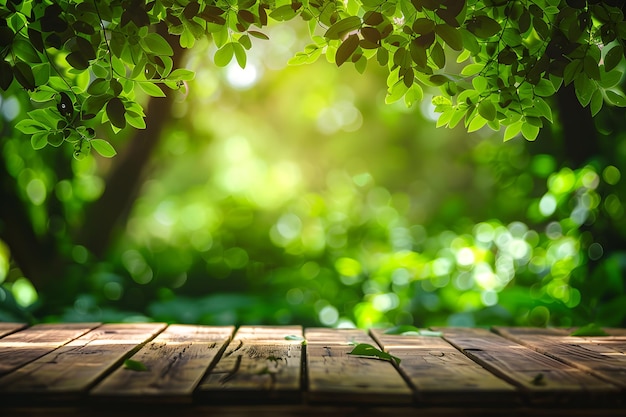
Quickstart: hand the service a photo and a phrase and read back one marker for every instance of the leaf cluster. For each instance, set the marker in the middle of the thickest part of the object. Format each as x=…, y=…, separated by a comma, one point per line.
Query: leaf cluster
x=495, y=63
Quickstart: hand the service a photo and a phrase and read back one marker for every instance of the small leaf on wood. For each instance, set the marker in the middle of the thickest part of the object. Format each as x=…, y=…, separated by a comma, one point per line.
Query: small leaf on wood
x=408, y=330
x=369, y=351
x=134, y=365
x=538, y=379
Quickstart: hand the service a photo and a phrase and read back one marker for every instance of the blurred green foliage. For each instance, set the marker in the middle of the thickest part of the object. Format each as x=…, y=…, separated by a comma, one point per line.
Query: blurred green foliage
x=295, y=195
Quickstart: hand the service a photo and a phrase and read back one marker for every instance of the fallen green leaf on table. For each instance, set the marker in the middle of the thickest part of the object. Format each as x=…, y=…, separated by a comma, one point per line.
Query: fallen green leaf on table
x=539, y=379
x=135, y=365
x=296, y=338
x=408, y=330
x=590, y=329
x=367, y=350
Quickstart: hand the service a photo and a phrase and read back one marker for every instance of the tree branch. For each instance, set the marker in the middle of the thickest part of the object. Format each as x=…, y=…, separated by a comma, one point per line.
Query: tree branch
x=105, y=216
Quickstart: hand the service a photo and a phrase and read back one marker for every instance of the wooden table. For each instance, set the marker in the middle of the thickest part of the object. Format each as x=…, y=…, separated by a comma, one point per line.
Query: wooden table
x=82, y=369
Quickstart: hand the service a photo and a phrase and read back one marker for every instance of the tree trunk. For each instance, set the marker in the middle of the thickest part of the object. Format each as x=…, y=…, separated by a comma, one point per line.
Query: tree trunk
x=580, y=139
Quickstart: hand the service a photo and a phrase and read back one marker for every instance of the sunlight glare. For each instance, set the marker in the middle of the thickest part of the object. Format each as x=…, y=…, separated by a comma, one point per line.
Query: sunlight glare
x=242, y=78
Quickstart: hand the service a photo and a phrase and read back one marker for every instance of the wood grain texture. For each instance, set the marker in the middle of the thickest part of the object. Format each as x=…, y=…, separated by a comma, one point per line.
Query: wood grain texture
x=603, y=356
x=69, y=371
x=18, y=349
x=8, y=328
x=542, y=378
x=259, y=365
x=176, y=360
x=441, y=374
x=336, y=376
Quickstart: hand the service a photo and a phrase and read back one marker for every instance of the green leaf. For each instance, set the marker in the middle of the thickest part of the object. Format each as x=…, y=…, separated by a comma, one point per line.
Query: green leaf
x=134, y=365
x=181, y=74
x=530, y=131
x=396, y=92
x=472, y=69
x=590, y=329
x=258, y=35
x=24, y=75
x=115, y=111
x=284, y=12
x=155, y=43
x=584, y=89
x=25, y=51
x=29, y=126
x=103, y=147
x=513, y=130
x=451, y=36
x=295, y=338
x=39, y=140
x=543, y=108
x=613, y=57
x=135, y=120
x=346, y=49
x=402, y=329
x=544, y=88
x=342, y=27
x=572, y=70
x=150, y=89
x=438, y=55
x=483, y=26
x=610, y=79
x=240, y=54
x=98, y=86
x=77, y=60
x=487, y=110
x=596, y=102
x=408, y=330
x=414, y=95
x=56, y=138
x=616, y=98
x=367, y=350
x=224, y=55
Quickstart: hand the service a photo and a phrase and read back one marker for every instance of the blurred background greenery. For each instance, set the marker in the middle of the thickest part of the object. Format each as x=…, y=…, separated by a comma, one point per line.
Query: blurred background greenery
x=282, y=194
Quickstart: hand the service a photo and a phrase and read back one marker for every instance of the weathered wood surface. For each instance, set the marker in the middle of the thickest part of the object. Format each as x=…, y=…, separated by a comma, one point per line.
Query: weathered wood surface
x=336, y=376
x=443, y=375
x=18, y=349
x=542, y=378
x=176, y=360
x=8, y=328
x=261, y=363
x=78, y=369
x=69, y=371
x=604, y=357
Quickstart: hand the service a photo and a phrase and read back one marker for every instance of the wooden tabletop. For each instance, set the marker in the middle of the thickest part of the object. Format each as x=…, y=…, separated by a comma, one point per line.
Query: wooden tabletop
x=155, y=369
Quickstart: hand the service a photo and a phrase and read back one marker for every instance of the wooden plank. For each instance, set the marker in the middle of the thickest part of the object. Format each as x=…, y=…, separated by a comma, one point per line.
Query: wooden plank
x=67, y=372
x=176, y=360
x=302, y=410
x=259, y=365
x=442, y=375
x=542, y=378
x=8, y=328
x=18, y=349
x=335, y=376
x=601, y=356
